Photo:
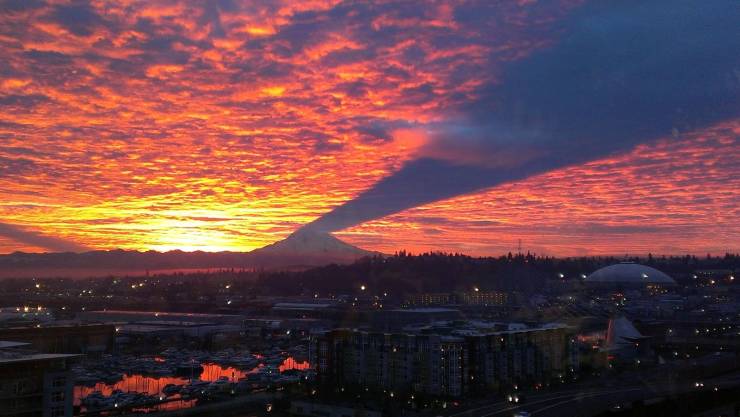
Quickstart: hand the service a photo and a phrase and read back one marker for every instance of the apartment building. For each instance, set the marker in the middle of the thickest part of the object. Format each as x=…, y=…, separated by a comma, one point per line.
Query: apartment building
x=470, y=298
x=444, y=359
x=34, y=384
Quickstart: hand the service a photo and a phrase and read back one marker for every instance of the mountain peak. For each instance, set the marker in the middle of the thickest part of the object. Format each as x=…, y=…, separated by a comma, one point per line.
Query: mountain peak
x=312, y=243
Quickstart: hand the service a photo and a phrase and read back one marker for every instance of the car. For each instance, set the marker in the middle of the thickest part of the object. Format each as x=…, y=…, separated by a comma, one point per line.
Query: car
x=617, y=407
x=515, y=397
x=522, y=414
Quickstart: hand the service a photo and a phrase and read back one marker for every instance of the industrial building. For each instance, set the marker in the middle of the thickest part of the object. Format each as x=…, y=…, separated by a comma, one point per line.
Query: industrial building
x=144, y=328
x=55, y=337
x=140, y=316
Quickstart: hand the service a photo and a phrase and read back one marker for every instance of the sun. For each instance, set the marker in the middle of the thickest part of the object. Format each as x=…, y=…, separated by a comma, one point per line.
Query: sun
x=190, y=239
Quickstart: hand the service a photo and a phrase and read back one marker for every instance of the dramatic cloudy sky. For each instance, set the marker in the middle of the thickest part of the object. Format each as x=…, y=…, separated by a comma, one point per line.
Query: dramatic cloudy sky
x=578, y=127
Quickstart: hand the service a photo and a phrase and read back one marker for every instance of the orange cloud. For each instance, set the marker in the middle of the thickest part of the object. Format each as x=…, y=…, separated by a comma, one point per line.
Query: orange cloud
x=130, y=124
x=667, y=197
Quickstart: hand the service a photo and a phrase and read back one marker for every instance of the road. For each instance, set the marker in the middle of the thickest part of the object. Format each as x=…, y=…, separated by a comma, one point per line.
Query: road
x=584, y=402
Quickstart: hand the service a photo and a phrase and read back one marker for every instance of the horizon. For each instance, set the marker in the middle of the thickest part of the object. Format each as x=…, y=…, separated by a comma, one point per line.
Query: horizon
x=397, y=252
x=70, y=268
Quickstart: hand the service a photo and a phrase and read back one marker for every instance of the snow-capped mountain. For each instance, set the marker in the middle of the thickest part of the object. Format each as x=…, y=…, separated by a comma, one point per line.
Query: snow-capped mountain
x=310, y=244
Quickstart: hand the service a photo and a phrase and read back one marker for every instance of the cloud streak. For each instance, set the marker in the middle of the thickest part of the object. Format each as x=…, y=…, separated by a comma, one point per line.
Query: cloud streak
x=36, y=239
x=674, y=196
x=621, y=74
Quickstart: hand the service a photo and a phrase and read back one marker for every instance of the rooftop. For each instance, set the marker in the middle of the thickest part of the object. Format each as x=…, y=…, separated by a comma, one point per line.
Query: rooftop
x=425, y=310
x=301, y=306
x=6, y=358
x=629, y=273
x=4, y=344
x=162, y=313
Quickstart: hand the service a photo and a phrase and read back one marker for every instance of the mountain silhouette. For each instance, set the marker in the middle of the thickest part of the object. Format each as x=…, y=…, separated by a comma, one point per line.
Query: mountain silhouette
x=302, y=249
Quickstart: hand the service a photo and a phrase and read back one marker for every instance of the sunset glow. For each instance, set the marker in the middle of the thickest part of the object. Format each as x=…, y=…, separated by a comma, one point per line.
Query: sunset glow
x=226, y=126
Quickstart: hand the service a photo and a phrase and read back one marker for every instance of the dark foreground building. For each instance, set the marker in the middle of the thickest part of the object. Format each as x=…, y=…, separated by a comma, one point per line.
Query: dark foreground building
x=444, y=361
x=69, y=338
x=34, y=384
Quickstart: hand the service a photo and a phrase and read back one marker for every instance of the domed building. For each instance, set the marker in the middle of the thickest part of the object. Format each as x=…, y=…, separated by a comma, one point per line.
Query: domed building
x=628, y=274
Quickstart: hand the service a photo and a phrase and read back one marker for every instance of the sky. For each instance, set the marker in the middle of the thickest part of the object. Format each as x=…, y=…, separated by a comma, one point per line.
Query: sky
x=577, y=127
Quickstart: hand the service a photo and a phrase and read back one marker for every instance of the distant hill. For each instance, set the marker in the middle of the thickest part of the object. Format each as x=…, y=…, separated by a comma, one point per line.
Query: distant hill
x=443, y=272
x=300, y=250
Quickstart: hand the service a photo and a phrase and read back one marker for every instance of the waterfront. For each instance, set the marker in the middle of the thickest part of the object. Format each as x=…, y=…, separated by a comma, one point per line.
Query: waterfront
x=155, y=386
